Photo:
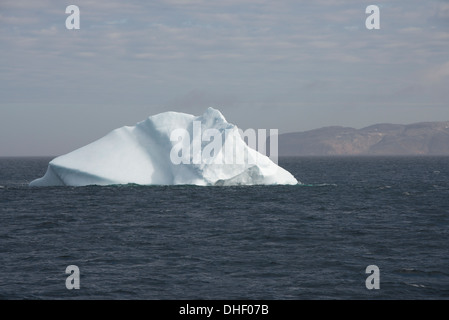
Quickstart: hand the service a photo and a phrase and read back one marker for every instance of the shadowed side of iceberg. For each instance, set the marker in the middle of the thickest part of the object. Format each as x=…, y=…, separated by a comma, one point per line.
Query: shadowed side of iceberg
x=60, y=176
x=120, y=157
x=254, y=176
x=49, y=179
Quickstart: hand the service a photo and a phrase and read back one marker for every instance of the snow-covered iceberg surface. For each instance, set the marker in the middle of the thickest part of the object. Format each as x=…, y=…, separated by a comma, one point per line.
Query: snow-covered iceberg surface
x=167, y=149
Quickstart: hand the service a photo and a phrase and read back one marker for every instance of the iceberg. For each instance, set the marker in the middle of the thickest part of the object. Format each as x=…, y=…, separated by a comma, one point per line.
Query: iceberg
x=169, y=148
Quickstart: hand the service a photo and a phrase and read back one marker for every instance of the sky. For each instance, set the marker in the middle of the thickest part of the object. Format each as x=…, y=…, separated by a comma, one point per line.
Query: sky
x=290, y=65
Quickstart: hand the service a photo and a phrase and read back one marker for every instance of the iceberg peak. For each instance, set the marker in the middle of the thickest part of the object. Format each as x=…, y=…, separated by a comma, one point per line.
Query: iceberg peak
x=214, y=113
x=167, y=149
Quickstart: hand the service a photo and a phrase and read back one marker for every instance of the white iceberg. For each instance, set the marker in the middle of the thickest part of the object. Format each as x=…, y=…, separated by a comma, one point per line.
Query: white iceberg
x=150, y=154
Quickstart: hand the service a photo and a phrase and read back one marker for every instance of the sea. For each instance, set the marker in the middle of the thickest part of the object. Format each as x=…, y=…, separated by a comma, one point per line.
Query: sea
x=355, y=228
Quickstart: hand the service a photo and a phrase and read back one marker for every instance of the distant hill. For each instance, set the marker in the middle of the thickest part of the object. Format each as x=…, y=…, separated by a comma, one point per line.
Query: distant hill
x=424, y=138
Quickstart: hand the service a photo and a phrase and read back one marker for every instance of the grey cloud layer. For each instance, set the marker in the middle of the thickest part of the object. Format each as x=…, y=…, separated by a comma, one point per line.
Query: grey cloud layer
x=295, y=64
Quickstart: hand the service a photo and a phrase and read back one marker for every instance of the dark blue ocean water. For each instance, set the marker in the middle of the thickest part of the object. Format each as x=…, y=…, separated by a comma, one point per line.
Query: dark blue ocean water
x=311, y=241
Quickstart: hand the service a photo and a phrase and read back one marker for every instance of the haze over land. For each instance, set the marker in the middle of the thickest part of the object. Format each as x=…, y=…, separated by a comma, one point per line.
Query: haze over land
x=424, y=138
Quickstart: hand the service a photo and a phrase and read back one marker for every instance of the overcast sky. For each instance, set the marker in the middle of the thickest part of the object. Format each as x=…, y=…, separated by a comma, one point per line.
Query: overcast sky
x=289, y=65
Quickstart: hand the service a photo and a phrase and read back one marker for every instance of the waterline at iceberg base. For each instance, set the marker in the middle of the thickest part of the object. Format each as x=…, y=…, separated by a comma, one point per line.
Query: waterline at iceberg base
x=143, y=154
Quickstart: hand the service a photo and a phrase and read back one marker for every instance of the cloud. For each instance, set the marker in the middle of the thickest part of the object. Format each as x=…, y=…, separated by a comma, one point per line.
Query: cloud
x=437, y=74
x=247, y=55
x=442, y=10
